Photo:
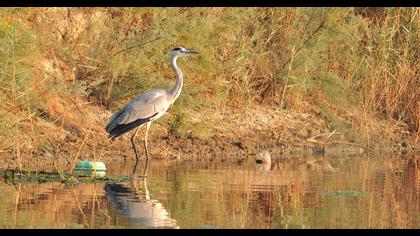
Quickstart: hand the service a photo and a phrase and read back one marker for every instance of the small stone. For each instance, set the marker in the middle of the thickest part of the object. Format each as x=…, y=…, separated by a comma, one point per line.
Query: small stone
x=318, y=150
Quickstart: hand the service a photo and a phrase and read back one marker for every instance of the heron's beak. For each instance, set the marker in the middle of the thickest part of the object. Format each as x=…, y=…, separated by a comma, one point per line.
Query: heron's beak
x=193, y=52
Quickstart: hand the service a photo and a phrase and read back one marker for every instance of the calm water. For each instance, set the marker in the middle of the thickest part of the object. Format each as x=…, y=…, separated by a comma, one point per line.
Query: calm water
x=312, y=192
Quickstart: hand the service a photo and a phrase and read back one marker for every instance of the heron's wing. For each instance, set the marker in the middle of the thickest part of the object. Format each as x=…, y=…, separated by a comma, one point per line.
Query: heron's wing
x=144, y=106
x=139, y=110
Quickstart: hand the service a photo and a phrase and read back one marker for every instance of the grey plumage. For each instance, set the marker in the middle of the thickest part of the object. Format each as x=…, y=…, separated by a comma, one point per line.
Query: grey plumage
x=143, y=108
x=148, y=106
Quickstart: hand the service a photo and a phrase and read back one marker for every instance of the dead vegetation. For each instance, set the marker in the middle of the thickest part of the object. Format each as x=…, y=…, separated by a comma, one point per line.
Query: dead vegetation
x=267, y=78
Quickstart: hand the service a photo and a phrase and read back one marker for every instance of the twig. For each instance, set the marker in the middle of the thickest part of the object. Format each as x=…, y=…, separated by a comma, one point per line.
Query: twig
x=56, y=147
x=113, y=55
x=78, y=152
x=313, y=140
x=310, y=37
x=141, y=44
x=332, y=133
x=104, y=151
x=31, y=100
x=88, y=66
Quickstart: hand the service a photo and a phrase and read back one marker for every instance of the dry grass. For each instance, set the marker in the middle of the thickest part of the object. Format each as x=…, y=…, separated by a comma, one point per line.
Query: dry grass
x=355, y=68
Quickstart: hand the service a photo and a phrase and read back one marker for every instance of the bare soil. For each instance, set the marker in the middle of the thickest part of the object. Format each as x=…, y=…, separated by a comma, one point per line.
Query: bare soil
x=232, y=135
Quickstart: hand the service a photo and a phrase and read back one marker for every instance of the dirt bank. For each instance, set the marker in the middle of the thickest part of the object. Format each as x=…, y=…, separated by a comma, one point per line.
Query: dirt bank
x=298, y=88
x=230, y=135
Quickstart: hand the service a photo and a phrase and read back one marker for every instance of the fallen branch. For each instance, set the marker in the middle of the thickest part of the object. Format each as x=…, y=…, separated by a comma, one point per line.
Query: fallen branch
x=323, y=142
x=313, y=140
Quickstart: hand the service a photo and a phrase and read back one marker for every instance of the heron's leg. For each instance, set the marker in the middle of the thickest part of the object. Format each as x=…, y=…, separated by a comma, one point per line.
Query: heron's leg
x=146, y=190
x=145, y=167
x=132, y=143
x=145, y=147
x=145, y=138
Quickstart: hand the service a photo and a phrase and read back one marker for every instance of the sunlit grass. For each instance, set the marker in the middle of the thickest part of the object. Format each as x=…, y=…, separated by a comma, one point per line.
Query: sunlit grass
x=342, y=60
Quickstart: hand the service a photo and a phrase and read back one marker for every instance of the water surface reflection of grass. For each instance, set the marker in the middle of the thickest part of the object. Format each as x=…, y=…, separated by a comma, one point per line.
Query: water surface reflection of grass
x=313, y=192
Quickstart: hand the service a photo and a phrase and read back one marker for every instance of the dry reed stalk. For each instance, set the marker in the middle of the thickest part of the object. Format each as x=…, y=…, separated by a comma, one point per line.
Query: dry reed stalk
x=94, y=160
x=292, y=57
x=92, y=217
x=383, y=49
x=103, y=212
x=20, y=105
x=78, y=151
x=56, y=157
x=76, y=199
x=12, y=41
x=105, y=150
x=15, y=208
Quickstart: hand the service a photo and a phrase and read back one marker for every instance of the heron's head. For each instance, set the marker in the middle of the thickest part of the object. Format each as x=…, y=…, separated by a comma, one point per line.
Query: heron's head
x=182, y=52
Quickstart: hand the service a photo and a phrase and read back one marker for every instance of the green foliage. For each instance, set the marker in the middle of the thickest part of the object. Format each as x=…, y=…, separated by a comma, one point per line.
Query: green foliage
x=337, y=123
x=182, y=126
x=347, y=57
x=336, y=89
x=178, y=126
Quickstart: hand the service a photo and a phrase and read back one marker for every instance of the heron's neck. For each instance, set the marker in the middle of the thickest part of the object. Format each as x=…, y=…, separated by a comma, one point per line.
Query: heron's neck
x=176, y=90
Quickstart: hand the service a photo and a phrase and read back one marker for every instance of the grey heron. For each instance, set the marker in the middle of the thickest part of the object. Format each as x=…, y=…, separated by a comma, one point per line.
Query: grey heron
x=147, y=107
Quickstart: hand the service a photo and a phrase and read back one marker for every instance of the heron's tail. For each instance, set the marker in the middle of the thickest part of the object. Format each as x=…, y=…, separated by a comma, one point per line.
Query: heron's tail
x=121, y=129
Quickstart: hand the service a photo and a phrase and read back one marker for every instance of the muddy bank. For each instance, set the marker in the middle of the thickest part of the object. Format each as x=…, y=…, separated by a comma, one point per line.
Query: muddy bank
x=232, y=136
x=236, y=103
x=11, y=176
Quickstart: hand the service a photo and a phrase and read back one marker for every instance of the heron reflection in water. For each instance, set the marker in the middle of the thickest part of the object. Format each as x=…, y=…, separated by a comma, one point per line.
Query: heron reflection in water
x=133, y=200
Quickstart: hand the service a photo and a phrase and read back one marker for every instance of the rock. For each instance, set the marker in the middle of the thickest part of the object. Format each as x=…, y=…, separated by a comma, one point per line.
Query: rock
x=318, y=150
x=238, y=144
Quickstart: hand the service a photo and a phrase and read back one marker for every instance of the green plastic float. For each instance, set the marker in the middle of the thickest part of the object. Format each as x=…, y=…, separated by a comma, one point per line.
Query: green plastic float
x=90, y=168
